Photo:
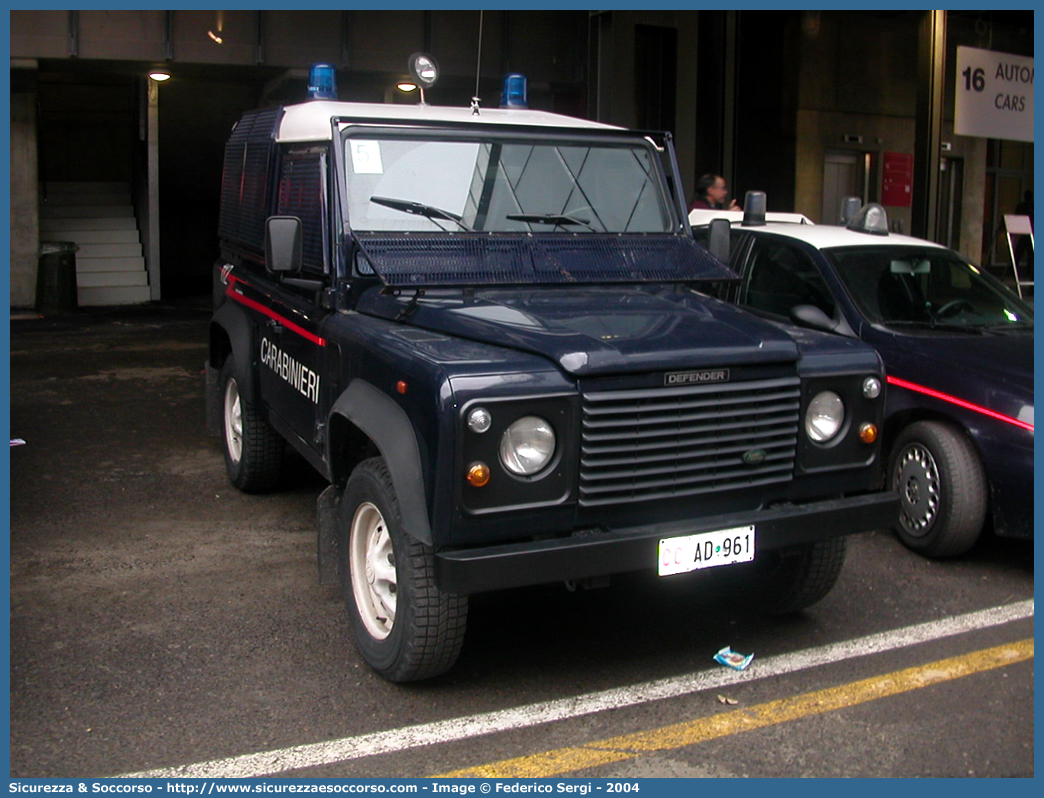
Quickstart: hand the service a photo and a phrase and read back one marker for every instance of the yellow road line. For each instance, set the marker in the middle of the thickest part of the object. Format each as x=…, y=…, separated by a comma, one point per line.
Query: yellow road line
x=631, y=746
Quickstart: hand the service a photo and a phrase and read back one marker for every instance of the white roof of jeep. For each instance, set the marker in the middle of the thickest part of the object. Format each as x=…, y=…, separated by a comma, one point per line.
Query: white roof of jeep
x=311, y=121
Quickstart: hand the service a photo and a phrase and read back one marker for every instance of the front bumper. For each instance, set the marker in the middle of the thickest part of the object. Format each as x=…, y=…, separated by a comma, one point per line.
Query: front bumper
x=595, y=553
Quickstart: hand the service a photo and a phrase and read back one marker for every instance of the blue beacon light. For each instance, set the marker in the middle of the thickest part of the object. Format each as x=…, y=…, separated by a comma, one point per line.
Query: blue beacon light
x=322, y=82
x=513, y=94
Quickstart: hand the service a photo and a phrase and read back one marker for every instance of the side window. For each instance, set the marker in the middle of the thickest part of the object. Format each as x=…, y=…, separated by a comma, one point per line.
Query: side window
x=779, y=276
x=302, y=194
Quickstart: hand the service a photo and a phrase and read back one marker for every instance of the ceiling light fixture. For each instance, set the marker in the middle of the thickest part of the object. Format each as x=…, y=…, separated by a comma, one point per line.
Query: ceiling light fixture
x=219, y=26
x=405, y=85
x=159, y=76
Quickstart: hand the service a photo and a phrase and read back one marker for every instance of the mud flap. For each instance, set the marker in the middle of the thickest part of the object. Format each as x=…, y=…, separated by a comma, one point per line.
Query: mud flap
x=212, y=399
x=327, y=505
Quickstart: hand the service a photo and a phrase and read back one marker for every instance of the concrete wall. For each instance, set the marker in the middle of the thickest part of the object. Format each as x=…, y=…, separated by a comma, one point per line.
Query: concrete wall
x=857, y=77
x=25, y=225
x=820, y=132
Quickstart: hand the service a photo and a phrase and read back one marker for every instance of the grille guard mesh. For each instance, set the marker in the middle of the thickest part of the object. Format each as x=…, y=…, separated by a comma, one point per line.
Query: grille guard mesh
x=447, y=259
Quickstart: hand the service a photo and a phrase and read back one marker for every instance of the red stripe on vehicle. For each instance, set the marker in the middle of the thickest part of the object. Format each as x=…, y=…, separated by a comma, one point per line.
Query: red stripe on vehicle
x=250, y=303
x=910, y=386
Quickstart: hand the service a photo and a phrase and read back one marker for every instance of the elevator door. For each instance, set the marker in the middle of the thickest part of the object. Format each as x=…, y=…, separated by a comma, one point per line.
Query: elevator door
x=842, y=177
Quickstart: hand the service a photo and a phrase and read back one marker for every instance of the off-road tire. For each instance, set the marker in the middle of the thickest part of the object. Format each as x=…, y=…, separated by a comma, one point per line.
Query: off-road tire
x=253, y=450
x=797, y=578
x=404, y=627
x=942, y=489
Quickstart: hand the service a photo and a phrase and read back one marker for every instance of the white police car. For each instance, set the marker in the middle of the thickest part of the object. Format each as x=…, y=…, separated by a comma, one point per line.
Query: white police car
x=957, y=345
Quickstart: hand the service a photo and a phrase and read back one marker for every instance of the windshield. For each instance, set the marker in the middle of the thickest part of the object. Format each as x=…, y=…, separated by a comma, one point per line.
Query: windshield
x=926, y=287
x=410, y=182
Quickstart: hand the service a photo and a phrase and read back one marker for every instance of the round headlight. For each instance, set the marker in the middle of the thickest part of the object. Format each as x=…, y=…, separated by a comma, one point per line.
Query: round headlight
x=825, y=415
x=871, y=387
x=527, y=446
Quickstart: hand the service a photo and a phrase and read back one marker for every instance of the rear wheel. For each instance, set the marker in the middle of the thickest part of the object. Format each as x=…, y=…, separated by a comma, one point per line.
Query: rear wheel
x=253, y=450
x=404, y=626
x=942, y=489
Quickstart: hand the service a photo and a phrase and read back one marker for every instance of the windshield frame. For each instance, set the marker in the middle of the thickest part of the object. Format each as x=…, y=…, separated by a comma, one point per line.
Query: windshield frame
x=660, y=161
x=937, y=255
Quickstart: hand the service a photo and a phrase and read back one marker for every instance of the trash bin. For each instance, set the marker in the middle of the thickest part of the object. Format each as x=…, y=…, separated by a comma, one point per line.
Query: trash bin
x=56, y=277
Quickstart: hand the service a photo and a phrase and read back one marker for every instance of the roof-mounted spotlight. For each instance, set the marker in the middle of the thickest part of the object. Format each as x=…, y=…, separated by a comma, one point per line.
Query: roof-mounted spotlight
x=425, y=71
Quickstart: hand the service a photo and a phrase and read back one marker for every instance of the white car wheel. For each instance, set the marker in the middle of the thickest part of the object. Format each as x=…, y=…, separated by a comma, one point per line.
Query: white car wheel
x=372, y=559
x=404, y=626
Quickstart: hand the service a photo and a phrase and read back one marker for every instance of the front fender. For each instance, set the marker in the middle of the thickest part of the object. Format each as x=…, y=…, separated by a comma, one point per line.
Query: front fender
x=233, y=321
x=388, y=426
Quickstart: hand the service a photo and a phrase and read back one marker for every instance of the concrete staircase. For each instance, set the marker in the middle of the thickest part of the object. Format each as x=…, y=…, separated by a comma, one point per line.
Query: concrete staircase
x=99, y=218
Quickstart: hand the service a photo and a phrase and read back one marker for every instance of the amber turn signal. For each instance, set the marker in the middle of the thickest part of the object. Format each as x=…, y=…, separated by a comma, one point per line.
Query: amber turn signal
x=868, y=433
x=478, y=474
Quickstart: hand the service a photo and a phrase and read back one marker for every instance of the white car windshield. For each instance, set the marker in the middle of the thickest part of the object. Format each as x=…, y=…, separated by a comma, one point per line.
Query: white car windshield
x=926, y=287
x=400, y=183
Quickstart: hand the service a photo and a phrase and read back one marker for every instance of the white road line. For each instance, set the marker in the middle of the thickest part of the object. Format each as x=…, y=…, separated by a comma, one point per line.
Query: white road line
x=304, y=756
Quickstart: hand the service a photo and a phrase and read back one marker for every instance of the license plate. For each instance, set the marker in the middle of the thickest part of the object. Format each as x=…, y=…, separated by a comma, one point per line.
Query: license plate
x=706, y=550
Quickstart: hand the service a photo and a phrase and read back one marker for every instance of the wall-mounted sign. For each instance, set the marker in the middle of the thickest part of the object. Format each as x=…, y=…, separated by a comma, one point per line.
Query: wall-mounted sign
x=897, y=179
x=993, y=96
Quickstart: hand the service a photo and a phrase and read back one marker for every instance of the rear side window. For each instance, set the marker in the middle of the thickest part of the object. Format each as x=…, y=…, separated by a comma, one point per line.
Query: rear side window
x=779, y=276
x=302, y=194
x=245, y=179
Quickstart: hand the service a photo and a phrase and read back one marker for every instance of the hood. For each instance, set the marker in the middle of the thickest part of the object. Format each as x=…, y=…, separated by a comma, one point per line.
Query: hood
x=991, y=369
x=590, y=331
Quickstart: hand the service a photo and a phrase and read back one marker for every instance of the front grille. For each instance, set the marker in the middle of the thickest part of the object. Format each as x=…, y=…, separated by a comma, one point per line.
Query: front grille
x=646, y=444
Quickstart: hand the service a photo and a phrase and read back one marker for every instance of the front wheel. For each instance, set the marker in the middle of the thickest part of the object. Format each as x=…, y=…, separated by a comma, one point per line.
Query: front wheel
x=795, y=579
x=404, y=626
x=942, y=489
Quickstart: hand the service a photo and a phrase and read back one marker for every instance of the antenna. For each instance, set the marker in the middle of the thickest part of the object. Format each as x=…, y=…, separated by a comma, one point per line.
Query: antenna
x=475, y=100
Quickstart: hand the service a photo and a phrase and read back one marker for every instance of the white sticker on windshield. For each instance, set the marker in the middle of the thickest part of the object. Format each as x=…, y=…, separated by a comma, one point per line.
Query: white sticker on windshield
x=366, y=157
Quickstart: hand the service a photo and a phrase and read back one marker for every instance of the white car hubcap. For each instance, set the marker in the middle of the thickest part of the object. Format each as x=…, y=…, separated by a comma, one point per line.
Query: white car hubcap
x=372, y=563
x=233, y=422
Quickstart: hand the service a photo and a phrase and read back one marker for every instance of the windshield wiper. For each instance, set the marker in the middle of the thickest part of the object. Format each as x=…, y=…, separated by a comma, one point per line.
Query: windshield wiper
x=935, y=325
x=420, y=209
x=557, y=219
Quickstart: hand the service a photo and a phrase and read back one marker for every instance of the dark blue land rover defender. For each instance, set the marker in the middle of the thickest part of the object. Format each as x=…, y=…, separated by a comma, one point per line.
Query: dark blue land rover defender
x=486, y=329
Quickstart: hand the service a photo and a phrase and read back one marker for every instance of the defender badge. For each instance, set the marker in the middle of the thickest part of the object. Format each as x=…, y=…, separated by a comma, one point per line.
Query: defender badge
x=696, y=377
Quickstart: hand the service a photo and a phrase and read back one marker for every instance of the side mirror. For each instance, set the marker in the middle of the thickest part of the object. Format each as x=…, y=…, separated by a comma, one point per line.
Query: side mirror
x=283, y=244
x=719, y=241
x=811, y=316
